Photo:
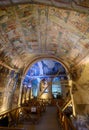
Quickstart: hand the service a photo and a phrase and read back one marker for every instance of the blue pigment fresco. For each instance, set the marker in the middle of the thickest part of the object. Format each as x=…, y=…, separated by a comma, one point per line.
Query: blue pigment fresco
x=43, y=69
x=56, y=87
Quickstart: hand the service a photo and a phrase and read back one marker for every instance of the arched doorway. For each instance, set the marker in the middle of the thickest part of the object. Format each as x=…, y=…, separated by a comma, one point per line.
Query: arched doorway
x=45, y=71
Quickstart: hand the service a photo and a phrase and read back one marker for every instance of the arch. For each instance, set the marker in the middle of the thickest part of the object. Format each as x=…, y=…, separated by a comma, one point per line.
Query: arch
x=38, y=58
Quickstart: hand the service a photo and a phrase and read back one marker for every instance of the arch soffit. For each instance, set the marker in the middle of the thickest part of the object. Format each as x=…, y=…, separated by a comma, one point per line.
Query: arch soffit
x=38, y=58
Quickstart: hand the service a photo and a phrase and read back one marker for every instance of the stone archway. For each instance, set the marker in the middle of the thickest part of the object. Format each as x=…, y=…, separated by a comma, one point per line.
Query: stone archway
x=35, y=60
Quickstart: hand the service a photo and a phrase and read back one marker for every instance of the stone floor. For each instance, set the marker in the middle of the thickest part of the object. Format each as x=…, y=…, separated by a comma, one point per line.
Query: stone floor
x=48, y=121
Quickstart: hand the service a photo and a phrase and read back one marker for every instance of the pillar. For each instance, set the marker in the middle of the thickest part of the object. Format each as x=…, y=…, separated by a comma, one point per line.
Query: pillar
x=50, y=89
x=28, y=93
x=72, y=98
x=9, y=91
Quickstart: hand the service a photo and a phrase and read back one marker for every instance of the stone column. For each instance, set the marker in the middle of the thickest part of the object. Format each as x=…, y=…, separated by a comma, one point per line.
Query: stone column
x=20, y=92
x=50, y=89
x=9, y=91
x=23, y=95
x=72, y=97
x=28, y=94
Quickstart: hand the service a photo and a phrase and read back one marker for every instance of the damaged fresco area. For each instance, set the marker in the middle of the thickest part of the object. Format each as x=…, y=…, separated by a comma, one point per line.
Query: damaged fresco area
x=28, y=30
x=76, y=72
x=81, y=92
x=79, y=5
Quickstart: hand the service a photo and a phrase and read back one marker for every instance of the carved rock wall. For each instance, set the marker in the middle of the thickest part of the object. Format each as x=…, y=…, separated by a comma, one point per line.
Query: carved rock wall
x=81, y=95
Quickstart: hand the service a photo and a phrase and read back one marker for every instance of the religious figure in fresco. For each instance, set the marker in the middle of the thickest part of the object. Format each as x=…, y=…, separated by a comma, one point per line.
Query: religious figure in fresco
x=44, y=85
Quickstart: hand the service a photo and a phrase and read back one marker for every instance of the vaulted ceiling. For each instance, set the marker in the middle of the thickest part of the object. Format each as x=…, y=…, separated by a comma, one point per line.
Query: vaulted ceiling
x=35, y=28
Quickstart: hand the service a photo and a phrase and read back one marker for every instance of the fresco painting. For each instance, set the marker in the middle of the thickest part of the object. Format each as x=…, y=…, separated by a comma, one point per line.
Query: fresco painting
x=33, y=30
x=43, y=28
x=42, y=71
x=56, y=88
x=44, y=84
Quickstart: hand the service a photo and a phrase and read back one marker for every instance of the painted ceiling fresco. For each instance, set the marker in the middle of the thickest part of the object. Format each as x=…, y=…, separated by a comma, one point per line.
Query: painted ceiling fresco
x=79, y=5
x=29, y=30
x=44, y=69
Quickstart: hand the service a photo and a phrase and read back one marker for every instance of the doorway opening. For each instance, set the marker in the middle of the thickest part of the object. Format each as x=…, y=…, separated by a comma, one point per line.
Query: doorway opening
x=44, y=79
